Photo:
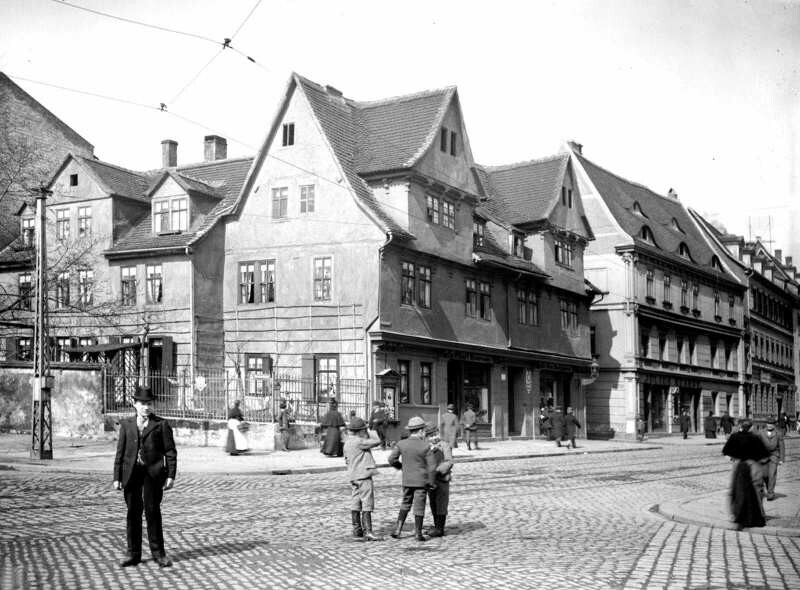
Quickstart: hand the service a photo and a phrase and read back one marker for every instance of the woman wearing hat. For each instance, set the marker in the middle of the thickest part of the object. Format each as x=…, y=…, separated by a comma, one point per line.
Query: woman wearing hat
x=332, y=424
x=747, y=451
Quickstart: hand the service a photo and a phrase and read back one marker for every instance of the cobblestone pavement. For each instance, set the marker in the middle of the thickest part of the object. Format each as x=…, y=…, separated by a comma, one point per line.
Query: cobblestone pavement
x=580, y=521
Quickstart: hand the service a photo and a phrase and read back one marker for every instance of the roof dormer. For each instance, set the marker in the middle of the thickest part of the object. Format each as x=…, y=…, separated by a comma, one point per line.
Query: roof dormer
x=637, y=209
x=646, y=235
x=683, y=251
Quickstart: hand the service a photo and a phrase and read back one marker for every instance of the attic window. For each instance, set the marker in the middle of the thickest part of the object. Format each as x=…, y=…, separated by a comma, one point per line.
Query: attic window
x=478, y=232
x=637, y=208
x=675, y=225
x=453, y=139
x=73, y=180
x=288, y=134
x=566, y=197
x=716, y=264
x=646, y=234
x=443, y=139
x=517, y=244
x=683, y=250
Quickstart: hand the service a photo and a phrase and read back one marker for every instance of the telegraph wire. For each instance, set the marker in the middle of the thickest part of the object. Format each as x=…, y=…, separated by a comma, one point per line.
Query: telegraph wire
x=249, y=14
x=195, y=77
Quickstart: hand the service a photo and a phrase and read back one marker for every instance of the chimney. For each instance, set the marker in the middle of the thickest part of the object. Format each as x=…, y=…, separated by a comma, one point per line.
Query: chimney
x=788, y=261
x=778, y=254
x=215, y=148
x=575, y=147
x=672, y=194
x=169, y=153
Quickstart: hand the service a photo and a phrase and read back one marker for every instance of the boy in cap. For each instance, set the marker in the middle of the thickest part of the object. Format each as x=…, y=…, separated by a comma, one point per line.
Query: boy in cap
x=360, y=469
x=418, y=475
x=439, y=496
x=379, y=420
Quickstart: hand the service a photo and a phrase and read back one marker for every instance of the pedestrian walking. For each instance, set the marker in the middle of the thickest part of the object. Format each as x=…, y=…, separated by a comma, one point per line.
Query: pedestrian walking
x=773, y=442
x=470, y=427
x=572, y=426
x=379, y=421
x=710, y=425
x=783, y=423
x=413, y=455
x=545, y=424
x=236, y=442
x=449, y=426
x=726, y=423
x=685, y=423
x=746, y=450
x=144, y=466
x=559, y=425
x=641, y=426
x=439, y=496
x=331, y=425
x=284, y=426
x=360, y=469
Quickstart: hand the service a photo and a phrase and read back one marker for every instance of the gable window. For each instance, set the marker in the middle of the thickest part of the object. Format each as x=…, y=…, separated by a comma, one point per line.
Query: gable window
x=326, y=374
x=424, y=285
x=563, y=253
x=649, y=281
x=527, y=306
x=85, y=286
x=448, y=214
x=676, y=226
x=485, y=300
x=569, y=198
x=267, y=272
x=62, y=290
x=307, y=198
x=256, y=367
x=407, y=283
x=28, y=231
x=566, y=197
x=179, y=220
x=443, y=139
x=25, y=290
x=478, y=232
x=84, y=222
x=73, y=180
x=404, y=368
x=322, y=279
x=160, y=217
x=155, y=283
x=472, y=298
x=288, y=134
x=280, y=202
x=433, y=208
x=667, y=289
x=128, y=280
x=453, y=137
x=517, y=244
x=62, y=224
x=425, y=372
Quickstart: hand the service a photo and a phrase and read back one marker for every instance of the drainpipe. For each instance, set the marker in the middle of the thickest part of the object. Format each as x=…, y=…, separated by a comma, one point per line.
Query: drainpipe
x=192, y=318
x=368, y=341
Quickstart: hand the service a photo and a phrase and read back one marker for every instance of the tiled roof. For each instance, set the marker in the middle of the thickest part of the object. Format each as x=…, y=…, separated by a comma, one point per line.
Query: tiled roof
x=119, y=181
x=658, y=211
x=526, y=191
x=481, y=256
x=227, y=175
x=337, y=118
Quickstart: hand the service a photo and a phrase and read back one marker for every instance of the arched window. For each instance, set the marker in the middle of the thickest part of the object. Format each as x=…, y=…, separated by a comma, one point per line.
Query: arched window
x=637, y=208
x=646, y=234
x=683, y=250
x=716, y=264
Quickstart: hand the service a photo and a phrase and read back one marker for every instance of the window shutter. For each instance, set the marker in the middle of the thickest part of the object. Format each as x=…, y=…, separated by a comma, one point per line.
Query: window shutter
x=307, y=373
x=167, y=356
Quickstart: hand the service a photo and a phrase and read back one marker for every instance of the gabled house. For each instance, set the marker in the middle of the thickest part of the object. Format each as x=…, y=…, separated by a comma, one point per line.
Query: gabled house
x=669, y=331
x=363, y=251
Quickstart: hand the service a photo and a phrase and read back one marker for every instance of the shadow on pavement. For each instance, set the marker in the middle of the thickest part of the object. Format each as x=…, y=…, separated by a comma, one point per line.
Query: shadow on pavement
x=214, y=550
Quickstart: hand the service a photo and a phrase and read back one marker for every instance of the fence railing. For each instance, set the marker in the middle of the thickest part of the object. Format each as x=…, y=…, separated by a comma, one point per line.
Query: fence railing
x=209, y=396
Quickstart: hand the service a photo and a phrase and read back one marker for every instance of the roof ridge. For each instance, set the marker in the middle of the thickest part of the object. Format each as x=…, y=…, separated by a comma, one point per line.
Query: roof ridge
x=366, y=104
x=200, y=180
x=204, y=164
x=110, y=165
x=522, y=163
x=632, y=182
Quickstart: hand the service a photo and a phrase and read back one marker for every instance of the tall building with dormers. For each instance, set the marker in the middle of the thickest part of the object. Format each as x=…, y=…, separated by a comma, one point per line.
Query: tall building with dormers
x=668, y=333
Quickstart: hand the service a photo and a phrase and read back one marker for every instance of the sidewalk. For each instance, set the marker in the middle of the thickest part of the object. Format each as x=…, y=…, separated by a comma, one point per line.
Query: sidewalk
x=97, y=456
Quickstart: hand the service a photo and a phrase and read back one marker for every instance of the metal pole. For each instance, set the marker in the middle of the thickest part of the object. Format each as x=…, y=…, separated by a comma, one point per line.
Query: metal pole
x=42, y=424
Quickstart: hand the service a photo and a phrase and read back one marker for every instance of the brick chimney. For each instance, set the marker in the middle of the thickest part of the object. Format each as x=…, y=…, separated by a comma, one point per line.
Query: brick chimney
x=672, y=194
x=215, y=148
x=788, y=261
x=778, y=255
x=576, y=147
x=169, y=153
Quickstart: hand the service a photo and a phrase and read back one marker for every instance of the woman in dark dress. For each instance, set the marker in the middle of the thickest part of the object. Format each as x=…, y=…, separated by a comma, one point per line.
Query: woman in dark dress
x=746, y=450
x=332, y=424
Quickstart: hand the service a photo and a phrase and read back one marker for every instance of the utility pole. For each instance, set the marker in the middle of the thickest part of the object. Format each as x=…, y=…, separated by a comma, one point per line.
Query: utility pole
x=42, y=423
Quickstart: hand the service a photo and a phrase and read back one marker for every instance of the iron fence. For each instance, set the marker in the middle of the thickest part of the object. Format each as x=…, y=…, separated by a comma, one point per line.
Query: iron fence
x=208, y=396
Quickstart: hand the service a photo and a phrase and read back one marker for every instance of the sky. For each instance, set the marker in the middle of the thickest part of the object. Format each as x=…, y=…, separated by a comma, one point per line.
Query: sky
x=702, y=97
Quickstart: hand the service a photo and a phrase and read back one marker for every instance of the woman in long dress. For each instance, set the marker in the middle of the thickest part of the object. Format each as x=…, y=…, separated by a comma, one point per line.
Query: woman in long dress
x=236, y=443
x=332, y=424
x=746, y=451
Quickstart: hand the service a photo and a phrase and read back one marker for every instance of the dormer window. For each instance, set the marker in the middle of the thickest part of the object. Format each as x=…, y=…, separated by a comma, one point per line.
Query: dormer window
x=288, y=134
x=683, y=250
x=566, y=197
x=676, y=226
x=478, y=232
x=160, y=217
x=715, y=263
x=517, y=244
x=28, y=231
x=562, y=251
x=170, y=215
x=179, y=219
x=646, y=234
x=637, y=208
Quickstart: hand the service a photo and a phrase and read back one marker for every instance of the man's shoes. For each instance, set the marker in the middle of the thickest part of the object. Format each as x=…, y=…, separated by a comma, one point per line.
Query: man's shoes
x=401, y=520
x=163, y=561
x=131, y=560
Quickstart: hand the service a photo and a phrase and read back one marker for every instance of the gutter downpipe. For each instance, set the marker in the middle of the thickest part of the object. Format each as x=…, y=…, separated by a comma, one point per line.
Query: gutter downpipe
x=192, y=331
x=368, y=348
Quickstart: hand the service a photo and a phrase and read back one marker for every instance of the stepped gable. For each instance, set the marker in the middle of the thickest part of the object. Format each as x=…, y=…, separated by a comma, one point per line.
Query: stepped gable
x=658, y=211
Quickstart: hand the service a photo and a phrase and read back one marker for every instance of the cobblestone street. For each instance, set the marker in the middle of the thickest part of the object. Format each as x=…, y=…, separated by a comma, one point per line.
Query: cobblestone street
x=579, y=521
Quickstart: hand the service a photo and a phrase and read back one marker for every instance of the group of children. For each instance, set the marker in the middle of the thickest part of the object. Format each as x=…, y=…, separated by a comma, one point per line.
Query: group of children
x=426, y=462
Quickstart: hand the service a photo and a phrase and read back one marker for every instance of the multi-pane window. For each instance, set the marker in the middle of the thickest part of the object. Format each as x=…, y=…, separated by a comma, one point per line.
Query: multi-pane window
x=61, y=354
x=433, y=205
x=280, y=202
x=327, y=374
x=25, y=291
x=62, y=224
x=695, y=295
x=425, y=371
x=62, y=290
x=155, y=283
x=478, y=232
x=160, y=217
x=28, y=231
x=404, y=368
x=128, y=282
x=527, y=306
x=563, y=252
x=84, y=222
x=288, y=134
x=247, y=282
x=667, y=289
x=257, y=281
x=485, y=301
x=407, y=283
x=267, y=272
x=472, y=298
x=254, y=373
x=684, y=292
x=424, y=286
x=569, y=314
x=448, y=214
x=322, y=278
x=24, y=349
x=85, y=286
x=307, y=198
x=179, y=220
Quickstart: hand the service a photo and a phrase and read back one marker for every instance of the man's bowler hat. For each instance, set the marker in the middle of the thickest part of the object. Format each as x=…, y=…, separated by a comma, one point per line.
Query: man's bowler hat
x=143, y=394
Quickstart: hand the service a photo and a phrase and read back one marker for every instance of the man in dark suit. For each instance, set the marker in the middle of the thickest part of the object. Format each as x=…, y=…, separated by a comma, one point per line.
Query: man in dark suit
x=144, y=467
x=685, y=421
x=419, y=472
x=379, y=420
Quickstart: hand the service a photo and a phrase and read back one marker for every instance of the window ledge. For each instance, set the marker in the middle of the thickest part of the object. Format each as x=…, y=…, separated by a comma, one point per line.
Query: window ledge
x=171, y=232
x=650, y=300
x=717, y=318
x=732, y=321
x=696, y=313
x=667, y=304
x=684, y=309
